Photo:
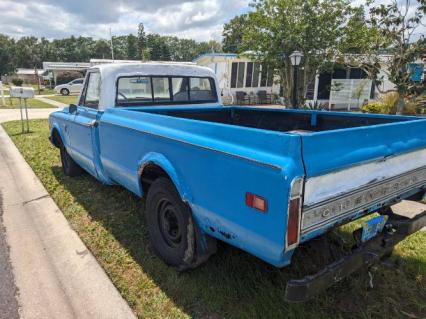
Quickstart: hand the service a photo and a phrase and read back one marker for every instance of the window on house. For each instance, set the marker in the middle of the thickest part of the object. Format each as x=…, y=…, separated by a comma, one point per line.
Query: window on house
x=249, y=76
x=264, y=75
x=241, y=71
x=234, y=72
x=256, y=72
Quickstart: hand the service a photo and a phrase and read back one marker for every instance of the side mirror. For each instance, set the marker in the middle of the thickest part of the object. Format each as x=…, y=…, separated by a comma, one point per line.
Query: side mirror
x=72, y=109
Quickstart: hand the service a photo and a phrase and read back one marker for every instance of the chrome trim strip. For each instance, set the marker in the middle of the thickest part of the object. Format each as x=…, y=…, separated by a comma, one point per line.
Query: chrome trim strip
x=365, y=187
x=275, y=167
x=361, y=199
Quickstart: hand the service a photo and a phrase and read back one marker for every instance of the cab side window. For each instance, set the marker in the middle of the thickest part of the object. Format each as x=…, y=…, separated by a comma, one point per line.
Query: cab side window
x=91, y=93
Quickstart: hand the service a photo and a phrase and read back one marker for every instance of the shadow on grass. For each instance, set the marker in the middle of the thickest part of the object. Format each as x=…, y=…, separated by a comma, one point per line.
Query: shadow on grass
x=21, y=134
x=233, y=284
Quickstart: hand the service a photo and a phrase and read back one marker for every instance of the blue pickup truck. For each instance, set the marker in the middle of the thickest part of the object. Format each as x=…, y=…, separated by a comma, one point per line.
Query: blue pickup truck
x=263, y=180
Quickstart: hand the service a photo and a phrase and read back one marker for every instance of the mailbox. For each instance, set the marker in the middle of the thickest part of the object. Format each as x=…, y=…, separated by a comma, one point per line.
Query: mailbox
x=22, y=92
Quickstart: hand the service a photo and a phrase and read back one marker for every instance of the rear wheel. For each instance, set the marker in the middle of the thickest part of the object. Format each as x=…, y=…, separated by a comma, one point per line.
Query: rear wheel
x=172, y=231
x=69, y=166
x=65, y=92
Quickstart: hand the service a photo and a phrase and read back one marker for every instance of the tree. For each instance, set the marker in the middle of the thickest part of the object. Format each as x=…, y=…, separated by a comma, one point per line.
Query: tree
x=120, y=47
x=102, y=50
x=233, y=32
x=154, y=46
x=397, y=23
x=215, y=46
x=7, y=64
x=142, y=42
x=27, y=52
x=278, y=27
x=132, y=47
x=359, y=36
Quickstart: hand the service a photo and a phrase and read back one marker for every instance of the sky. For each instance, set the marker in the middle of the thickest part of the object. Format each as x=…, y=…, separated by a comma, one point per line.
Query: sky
x=201, y=20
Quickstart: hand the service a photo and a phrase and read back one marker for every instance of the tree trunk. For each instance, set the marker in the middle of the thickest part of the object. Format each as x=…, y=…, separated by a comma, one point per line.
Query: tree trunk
x=400, y=105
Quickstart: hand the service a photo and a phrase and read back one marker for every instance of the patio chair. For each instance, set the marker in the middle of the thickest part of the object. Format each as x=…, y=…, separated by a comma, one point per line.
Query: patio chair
x=242, y=98
x=263, y=97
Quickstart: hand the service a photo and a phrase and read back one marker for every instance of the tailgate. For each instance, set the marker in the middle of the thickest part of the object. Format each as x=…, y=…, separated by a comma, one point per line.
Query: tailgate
x=352, y=170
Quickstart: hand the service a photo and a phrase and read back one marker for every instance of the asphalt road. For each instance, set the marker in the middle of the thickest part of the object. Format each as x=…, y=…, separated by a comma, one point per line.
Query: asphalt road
x=8, y=290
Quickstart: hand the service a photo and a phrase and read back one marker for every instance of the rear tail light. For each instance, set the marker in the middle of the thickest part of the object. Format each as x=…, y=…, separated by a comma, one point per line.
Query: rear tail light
x=256, y=202
x=294, y=212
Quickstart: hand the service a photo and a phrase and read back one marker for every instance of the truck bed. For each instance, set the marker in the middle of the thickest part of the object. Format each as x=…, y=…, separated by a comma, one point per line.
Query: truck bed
x=284, y=120
x=342, y=153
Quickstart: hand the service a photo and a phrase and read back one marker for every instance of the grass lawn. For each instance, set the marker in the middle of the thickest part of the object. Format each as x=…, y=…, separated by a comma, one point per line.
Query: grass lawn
x=70, y=99
x=232, y=284
x=45, y=91
x=31, y=103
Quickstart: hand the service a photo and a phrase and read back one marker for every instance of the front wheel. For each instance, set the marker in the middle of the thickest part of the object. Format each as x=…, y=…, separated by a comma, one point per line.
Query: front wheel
x=65, y=92
x=69, y=166
x=172, y=231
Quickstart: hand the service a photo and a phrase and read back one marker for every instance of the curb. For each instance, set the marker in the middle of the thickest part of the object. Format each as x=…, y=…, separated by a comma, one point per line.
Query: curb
x=57, y=276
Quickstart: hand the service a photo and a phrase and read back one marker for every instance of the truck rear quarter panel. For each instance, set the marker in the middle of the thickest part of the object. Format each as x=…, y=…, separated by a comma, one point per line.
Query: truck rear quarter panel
x=213, y=166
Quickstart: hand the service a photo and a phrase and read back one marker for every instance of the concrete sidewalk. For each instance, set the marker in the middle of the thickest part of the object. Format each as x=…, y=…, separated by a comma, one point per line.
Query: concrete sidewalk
x=57, y=276
x=14, y=114
x=51, y=102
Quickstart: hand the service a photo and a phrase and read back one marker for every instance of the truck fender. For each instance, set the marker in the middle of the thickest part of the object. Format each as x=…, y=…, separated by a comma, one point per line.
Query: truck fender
x=56, y=127
x=154, y=158
x=206, y=245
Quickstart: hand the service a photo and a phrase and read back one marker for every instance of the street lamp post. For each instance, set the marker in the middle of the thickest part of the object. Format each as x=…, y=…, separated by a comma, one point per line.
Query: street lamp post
x=295, y=59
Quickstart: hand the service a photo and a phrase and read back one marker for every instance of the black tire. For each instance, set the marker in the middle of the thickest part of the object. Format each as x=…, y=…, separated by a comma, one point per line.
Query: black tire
x=173, y=234
x=69, y=166
x=65, y=92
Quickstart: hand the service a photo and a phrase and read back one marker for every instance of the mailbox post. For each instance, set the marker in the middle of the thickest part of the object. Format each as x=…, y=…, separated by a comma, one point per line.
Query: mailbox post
x=2, y=94
x=23, y=93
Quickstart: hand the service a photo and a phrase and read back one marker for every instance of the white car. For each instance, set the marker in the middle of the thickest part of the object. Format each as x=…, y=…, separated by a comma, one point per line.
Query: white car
x=72, y=87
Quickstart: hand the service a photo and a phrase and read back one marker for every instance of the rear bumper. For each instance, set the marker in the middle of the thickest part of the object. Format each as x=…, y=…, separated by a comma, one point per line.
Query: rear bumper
x=397, y=229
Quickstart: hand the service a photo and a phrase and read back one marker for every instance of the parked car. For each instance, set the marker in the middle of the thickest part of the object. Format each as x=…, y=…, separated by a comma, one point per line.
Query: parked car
x=263, y=180
x=73, y=87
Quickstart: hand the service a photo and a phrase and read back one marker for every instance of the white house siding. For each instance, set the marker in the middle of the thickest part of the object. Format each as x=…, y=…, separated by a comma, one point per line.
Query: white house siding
x=221, y=64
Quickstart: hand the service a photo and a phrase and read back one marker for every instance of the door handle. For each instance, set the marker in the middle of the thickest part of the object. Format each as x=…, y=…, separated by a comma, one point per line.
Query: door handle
x=93, y=123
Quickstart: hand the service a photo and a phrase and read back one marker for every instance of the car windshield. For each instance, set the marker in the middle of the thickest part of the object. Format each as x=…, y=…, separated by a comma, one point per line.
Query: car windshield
x=164, y=90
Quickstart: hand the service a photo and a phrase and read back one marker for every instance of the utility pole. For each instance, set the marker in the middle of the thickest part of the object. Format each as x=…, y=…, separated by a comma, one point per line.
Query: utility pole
x=112, y=45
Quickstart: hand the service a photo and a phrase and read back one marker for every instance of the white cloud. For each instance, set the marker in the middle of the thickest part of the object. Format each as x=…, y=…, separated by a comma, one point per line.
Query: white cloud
x=197, y=19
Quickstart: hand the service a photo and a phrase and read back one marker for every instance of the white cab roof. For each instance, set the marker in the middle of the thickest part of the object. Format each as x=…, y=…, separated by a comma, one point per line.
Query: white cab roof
x=111, y=72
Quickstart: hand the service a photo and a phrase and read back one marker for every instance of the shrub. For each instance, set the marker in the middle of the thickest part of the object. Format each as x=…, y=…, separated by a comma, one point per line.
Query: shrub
x=389, y=101
x=375, y=107
x=17, y=82
x=421, y=104
x=410, y=108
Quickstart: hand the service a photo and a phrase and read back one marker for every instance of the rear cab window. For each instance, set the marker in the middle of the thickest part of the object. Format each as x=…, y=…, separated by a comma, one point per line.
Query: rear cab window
x=158, y=90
